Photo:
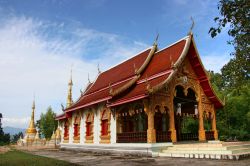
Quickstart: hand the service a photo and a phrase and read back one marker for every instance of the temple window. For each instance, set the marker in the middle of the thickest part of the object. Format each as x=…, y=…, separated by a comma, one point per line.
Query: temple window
x=89, y=128
x=77, y=122
x=105, y=126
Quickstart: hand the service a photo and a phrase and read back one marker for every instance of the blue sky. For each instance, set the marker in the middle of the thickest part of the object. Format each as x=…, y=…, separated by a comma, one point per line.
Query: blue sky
x=41, y=40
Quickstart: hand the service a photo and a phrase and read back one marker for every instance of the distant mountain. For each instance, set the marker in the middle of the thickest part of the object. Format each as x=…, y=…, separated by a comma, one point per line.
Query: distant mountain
x=12, y=130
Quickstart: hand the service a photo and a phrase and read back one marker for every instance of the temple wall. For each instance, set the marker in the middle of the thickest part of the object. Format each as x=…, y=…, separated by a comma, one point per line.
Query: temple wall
x=82, y=128
x=71, y=130
x=97, y=128
x=113, y=129
x=62, y=131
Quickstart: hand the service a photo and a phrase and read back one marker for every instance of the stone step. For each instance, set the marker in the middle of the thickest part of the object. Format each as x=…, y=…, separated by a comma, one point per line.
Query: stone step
x=208, y=156
x=240, y=150
x=196, y=148
x=197, y=152
x=237, y=146
x=198, y=145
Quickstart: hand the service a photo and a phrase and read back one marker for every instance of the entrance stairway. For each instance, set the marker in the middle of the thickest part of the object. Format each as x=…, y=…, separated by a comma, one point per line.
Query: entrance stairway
x=210, y=150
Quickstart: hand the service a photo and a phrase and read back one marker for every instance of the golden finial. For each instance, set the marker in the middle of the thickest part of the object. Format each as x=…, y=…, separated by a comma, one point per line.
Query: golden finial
x=70, y=84
x=32, y=128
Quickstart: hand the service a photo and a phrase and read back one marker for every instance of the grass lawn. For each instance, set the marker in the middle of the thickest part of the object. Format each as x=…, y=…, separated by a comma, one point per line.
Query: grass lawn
x=15, y=157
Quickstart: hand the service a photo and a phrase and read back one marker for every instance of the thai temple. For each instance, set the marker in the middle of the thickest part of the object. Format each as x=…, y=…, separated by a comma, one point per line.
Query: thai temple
x=146, y=101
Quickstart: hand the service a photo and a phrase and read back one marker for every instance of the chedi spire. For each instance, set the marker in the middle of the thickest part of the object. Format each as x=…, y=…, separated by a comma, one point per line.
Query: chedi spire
x=32, y=128
x=70, y=84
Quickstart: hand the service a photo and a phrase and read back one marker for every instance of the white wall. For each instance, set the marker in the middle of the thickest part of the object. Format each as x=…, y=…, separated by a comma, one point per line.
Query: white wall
x=113, y=129
x=82, y=128
x=97, y=128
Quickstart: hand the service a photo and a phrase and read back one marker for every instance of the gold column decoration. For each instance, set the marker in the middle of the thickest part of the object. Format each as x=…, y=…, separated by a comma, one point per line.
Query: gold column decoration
x=202, y=135
x=171, y=120
x=214, y=129
x=69, y=98
x=151, y=134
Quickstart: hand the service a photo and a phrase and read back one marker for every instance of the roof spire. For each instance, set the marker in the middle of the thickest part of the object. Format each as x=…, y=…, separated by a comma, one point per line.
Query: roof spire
x=192, y=26
x=156, y=40
x=70, y=84
x=98, y=68
x=32, y=128
x=89, y=79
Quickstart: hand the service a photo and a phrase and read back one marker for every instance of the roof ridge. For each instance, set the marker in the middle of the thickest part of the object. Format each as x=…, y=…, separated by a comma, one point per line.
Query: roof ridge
x=146, y=49
x=184, y=38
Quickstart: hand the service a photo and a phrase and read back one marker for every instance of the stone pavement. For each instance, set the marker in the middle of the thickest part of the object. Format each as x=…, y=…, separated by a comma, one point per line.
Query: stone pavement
x=110, y=160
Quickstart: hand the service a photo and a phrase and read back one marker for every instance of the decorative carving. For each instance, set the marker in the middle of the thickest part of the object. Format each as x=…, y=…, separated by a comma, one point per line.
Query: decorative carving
x=89, y=128
x=105, y=116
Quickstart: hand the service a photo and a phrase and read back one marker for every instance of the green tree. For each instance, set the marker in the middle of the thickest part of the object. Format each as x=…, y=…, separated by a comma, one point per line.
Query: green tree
x=47, y=123
x=233, y=82
x=4, y=138
x=236, y=14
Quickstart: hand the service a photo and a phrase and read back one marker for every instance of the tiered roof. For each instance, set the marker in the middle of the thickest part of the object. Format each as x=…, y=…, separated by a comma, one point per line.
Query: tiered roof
x=146, y=72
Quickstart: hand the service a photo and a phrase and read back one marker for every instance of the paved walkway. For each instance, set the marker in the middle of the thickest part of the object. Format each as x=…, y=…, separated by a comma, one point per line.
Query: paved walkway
x=115, y=160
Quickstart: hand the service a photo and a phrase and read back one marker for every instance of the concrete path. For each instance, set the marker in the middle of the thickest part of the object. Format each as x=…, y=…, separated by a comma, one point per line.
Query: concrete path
x=116, y=160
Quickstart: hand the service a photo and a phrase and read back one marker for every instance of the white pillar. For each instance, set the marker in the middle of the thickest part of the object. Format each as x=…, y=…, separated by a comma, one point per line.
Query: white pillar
x=97, y=128
x=83, y=128
x=113, y=129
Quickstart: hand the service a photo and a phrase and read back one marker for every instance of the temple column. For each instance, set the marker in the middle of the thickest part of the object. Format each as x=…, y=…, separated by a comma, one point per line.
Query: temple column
x=171, y=121
x=151, y=134
x=214, y=129
x=202, y=135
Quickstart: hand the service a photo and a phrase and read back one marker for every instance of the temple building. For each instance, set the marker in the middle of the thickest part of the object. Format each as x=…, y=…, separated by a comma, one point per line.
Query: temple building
x=157, y=96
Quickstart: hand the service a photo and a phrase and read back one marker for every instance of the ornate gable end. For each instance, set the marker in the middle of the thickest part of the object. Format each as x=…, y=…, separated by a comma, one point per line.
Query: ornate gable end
x=187, y=76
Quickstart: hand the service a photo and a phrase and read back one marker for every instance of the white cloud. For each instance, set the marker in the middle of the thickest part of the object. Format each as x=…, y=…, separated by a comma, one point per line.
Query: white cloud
x=16, y=121
x=35, y=56
x=215, y=61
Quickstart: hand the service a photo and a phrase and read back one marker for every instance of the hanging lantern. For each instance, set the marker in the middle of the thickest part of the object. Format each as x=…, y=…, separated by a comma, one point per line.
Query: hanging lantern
x=195, y=109
x=178, y=109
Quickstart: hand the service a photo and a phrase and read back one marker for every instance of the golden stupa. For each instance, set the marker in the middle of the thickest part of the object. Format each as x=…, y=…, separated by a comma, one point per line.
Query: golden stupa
x=31, y=130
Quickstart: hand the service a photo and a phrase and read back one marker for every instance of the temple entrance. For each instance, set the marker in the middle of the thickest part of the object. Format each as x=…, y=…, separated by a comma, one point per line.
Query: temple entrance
x=132, y=124
x=161, y=125
x=186, y=114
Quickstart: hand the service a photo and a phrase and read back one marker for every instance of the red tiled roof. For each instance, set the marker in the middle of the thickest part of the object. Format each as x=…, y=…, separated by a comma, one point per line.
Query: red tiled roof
x=61, y=116
x=119, y=72
x=139, y=90
x=157, y=71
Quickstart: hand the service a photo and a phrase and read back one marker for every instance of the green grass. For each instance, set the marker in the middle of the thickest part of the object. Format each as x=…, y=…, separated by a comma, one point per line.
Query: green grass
x=18, y=158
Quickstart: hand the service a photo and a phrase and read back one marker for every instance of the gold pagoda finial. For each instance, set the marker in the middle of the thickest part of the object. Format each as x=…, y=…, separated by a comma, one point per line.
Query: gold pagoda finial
x=70, y=84
x=32, y=128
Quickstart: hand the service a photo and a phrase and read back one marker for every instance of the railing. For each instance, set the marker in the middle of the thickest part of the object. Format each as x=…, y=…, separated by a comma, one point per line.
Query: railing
x=209, y=135
x=163, y=136
x=132, y=137
x=189, y=136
